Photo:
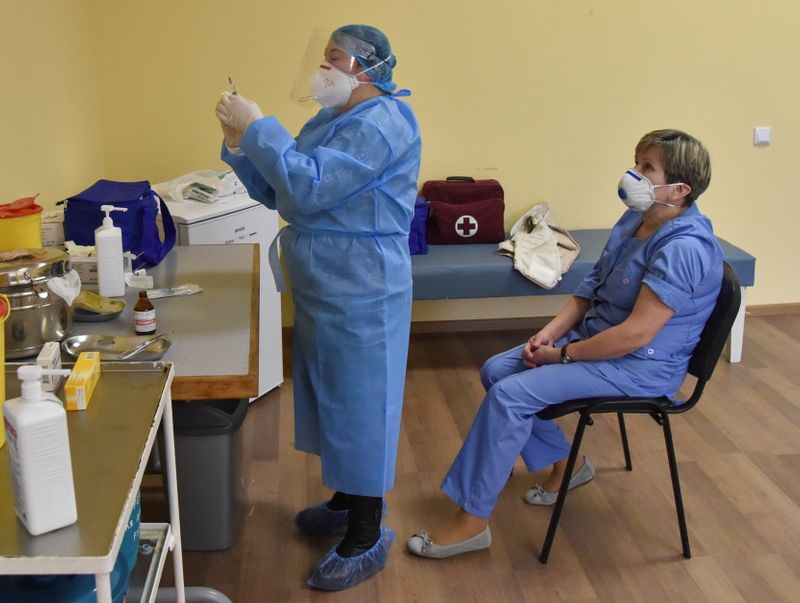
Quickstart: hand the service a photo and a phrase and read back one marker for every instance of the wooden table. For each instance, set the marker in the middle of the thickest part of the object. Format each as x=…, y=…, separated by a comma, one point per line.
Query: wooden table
x=214, y=333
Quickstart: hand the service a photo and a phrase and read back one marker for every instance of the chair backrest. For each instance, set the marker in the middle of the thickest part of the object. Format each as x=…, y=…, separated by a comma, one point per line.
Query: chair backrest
x=718, y=327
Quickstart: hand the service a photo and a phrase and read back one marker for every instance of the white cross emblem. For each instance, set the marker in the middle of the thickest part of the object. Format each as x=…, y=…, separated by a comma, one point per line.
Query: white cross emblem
x=466, y=226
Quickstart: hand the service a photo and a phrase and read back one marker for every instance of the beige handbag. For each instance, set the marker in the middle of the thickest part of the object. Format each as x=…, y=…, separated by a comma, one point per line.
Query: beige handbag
x=541, y=251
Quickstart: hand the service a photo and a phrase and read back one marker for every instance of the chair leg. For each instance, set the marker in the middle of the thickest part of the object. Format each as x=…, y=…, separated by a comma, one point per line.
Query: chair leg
x=624, y=435
x=562, y=491
x=676, y=487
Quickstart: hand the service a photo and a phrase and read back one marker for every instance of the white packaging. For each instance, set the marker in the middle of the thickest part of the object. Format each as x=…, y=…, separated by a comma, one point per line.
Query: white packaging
x=139, y=279
x=38, y=449
x=53, y=228
x=110, y=267
x=127, y=264
x=50, y=358
x=86, y=267
x=186, y=289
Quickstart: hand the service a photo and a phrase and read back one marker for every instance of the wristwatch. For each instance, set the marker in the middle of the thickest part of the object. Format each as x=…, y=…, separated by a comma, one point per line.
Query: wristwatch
x=565, y=359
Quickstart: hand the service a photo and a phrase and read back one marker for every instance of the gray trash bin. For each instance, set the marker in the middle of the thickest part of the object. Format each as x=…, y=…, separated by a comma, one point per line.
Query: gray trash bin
x=208, y=458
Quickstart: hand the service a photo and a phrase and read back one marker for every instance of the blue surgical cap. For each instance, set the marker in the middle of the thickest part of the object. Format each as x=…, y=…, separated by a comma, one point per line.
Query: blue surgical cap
x=380, y=50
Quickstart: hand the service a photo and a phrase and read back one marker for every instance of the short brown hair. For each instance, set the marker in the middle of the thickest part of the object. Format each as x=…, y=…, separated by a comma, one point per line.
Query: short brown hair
x=685, y=159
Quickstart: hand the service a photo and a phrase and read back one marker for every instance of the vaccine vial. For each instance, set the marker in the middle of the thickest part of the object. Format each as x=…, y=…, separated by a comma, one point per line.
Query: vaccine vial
x=144, y=315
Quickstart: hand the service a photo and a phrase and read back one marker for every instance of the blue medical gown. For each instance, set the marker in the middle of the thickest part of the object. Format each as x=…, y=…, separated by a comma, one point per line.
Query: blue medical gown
x=346, y=186
x=682, y=264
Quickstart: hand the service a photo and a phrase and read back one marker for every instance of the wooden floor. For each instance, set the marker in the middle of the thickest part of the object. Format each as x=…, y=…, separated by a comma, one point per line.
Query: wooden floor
x=739, y=461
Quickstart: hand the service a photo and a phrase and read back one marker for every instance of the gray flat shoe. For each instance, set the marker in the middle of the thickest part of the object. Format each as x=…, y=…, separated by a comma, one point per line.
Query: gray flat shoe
x=541, y=497
x=422, y=545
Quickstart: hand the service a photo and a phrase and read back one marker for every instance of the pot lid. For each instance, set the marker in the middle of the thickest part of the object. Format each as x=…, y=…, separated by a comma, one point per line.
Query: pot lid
x=37, y=266
x=19, y=208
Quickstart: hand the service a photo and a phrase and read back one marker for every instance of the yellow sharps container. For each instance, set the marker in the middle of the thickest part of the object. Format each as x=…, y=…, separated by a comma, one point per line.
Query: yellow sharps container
x=5, y=310
x=20, y=224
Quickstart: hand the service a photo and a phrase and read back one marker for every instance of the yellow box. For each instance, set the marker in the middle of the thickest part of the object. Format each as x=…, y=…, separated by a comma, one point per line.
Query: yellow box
x=81, y=381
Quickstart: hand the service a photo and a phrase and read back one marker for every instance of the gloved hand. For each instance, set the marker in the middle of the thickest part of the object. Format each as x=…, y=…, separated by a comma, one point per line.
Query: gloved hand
x=233, y=138
x=237, y=111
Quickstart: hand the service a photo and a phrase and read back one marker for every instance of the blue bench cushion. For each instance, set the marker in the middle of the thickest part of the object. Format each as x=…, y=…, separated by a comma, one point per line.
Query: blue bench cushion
x=468, y=271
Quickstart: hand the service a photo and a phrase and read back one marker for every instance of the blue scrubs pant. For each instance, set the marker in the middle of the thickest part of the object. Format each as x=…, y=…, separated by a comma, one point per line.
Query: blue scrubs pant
x=506, y=425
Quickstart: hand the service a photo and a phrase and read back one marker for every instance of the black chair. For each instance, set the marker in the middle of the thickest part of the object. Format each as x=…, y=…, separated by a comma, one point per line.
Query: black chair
x=701, y=366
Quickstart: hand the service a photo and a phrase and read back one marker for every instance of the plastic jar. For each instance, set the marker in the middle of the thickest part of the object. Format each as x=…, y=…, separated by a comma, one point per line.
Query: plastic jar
x=5, y=309
x=20, y=224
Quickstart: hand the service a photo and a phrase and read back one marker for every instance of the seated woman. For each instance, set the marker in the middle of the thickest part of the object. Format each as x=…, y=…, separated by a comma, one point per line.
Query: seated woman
x=628, y=330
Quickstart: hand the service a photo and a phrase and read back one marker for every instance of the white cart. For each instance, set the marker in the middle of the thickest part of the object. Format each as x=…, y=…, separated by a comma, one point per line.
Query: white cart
x=109, y=443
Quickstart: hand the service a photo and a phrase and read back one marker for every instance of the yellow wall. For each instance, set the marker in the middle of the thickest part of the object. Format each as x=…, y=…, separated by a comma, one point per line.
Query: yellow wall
x=51, y=134
x=548, y=97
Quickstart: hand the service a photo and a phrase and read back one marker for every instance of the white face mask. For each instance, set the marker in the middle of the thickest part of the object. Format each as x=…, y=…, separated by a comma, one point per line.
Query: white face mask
x=638, y=193
x=331, y=87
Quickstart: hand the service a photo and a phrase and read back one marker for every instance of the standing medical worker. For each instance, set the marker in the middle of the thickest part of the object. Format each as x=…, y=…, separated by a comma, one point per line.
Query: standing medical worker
x=346, y=187
x=629, y=330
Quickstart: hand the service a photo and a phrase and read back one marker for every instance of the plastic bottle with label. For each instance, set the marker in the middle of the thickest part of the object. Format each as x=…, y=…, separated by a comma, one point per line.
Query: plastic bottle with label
x=144, y=315
x=5, y=311
x=110, y=266
x=38, y=448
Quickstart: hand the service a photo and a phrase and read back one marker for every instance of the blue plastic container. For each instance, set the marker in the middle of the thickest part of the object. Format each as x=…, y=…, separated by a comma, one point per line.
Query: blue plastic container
x=79, y=588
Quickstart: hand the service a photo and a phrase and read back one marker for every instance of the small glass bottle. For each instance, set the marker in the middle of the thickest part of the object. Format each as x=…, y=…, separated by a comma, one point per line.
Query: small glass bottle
x=144, y=315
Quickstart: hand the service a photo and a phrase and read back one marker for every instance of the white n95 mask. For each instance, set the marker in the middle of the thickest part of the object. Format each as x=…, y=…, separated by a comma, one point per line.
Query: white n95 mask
x=638, y=193
x=331, y=87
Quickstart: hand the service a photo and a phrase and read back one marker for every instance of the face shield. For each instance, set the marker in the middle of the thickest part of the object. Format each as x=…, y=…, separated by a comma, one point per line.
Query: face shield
x=328, y=70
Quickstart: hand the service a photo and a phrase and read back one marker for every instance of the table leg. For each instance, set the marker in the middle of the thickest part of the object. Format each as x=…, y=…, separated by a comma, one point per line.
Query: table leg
x=733, y=349
x=103, y=584
x=172, y=488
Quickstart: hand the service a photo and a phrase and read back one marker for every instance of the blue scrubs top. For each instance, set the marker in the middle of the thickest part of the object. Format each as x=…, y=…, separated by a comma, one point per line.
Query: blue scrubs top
x=347, y=187
x=682, y=264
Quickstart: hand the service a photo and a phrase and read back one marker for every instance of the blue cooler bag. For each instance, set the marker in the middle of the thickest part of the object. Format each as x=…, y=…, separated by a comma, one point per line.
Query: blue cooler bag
x=79, y=588
x=139, y=228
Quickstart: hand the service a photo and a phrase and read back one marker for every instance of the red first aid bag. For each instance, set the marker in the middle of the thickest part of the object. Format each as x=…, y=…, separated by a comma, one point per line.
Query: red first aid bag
x=464, y=210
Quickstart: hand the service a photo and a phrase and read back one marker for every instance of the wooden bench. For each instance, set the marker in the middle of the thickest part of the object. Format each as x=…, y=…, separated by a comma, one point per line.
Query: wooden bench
x=476, y=271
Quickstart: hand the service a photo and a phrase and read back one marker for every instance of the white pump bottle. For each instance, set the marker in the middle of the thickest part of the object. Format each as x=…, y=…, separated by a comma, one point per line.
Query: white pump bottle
x=110, y=267
x=41, y=466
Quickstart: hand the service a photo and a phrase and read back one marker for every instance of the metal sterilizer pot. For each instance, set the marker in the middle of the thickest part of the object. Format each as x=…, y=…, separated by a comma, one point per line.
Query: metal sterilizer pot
x=37, y=314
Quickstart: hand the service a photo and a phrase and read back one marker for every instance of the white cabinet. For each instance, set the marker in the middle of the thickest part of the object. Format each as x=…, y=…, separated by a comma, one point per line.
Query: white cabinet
x=240, y=219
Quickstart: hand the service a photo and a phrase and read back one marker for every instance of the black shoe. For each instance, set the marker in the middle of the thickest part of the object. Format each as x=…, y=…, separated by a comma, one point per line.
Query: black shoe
x=363, y=525
x=339, y=502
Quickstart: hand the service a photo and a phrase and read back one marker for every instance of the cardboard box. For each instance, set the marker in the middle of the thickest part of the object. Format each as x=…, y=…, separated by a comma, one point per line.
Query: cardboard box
x=86, y=267
x=53, y=229
x=50, y=358
x=81, y=382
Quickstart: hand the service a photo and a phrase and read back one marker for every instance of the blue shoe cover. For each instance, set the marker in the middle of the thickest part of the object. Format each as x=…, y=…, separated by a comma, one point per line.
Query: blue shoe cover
x=334, y=572
x=322, y=521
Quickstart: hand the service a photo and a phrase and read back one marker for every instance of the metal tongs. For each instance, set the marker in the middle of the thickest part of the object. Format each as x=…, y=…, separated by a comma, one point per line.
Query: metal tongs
x=141, y=347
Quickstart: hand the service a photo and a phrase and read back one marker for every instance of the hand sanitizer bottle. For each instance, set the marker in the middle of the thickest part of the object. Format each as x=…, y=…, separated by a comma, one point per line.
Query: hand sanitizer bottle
x=110, y=268
x=38, y=448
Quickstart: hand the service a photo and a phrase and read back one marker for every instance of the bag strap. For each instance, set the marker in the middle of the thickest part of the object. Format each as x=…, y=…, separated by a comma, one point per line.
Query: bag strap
x=154, y=249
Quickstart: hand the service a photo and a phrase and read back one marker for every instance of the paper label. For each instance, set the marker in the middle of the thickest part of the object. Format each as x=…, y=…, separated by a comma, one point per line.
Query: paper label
x=144, y=322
